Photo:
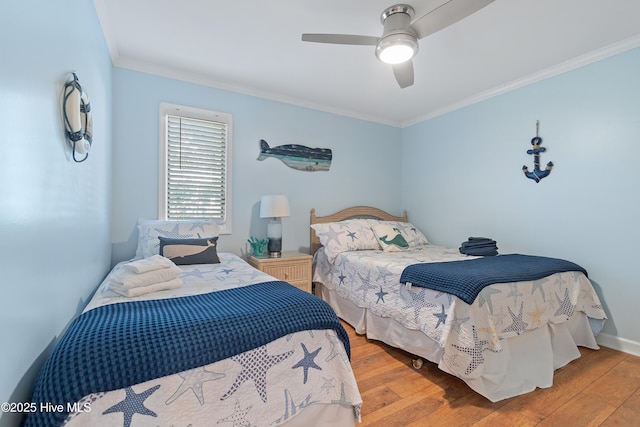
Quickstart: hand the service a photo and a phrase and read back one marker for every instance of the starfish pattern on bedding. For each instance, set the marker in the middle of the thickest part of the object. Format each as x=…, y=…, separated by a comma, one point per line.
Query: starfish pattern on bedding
x=538, y=285
x=132, y=404
x=383, y=273
x=565, y=306
x=196, y=272
x=336, y=349
x=199, y=225
x=342, y=277
x=485, y=297
x=518, y=325
x=475, y=352
x=442, y=317
x=174, y=233
x=446, y=294
x=331, y=235
x=417, y=302
x=381, y=295
x=238, y=416
x=341, y=261
x=352, y=234
x=515, y=292
x=290, y=336
x=291, y=408
x=366, y=284
x=456, y=323
x=343, y=397
x=307, y=362
x=194, y=379
x=328, y=384
x=255, y=364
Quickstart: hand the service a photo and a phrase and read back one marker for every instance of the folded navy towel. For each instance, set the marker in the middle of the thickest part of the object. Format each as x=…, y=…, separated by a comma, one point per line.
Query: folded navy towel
x=479, y=246
x=481, y=252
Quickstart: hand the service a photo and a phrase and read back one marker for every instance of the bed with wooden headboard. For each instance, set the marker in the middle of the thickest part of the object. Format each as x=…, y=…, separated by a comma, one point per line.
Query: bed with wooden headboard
x=506, y=342
x=355, y=212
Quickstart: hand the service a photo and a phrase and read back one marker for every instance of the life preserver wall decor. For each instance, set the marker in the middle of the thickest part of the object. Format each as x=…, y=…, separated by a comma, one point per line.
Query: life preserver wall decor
x=537, y=173
x=78, y=122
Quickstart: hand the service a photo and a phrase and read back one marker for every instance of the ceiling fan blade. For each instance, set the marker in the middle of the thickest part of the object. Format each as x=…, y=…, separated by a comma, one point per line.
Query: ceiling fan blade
x=445, y=15
x=404, y=73
x=340, y=39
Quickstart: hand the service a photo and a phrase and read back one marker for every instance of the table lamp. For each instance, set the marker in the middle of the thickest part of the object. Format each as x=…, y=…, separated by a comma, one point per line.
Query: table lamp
x=274, y=207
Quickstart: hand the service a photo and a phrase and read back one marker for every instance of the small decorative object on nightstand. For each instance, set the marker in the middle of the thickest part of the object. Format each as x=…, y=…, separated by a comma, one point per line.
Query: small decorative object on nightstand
x=292, y=267
x=258, y=245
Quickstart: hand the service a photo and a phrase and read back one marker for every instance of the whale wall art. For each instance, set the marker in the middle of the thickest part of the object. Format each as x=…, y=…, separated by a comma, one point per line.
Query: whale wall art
x=297, y=156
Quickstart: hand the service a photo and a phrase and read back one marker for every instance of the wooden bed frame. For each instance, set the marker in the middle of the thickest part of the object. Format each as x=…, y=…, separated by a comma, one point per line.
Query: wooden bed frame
x=354, y=212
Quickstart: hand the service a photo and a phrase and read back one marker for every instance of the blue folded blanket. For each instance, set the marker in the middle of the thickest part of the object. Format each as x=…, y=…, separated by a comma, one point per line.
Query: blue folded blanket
x=465, y=279
x=119, y=345
x=479, y=246
x=488, y=251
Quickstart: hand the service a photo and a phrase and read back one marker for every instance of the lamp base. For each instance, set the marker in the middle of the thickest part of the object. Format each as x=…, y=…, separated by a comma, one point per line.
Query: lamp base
x=274, y=234
x=275, y=247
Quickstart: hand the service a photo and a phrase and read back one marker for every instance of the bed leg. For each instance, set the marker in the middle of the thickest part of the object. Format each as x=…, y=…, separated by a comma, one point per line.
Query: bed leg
x=417, y=362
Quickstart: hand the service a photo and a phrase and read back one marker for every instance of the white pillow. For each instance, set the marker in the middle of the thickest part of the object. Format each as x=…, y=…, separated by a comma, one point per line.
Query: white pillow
x=411, y=234
x=149, y=232
x=344, y=236
x=390, y=237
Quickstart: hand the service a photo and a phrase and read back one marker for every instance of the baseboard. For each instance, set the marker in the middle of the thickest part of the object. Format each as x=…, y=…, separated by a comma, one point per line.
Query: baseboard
x=620, y=344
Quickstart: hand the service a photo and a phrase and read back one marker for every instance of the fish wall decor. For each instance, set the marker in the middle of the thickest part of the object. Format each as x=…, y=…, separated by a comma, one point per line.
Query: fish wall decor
x=298, y=156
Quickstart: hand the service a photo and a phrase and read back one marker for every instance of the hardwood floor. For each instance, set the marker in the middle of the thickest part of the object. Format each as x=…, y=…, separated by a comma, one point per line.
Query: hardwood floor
x=601, y=388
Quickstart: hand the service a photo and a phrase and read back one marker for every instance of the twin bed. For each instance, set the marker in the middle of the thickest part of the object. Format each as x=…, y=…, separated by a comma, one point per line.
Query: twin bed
x=505, y=342
x=230, y=346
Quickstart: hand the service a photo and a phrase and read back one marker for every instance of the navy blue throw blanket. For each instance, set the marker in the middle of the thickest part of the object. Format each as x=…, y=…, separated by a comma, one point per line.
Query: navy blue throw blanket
x=118, y=345
x=465, y=279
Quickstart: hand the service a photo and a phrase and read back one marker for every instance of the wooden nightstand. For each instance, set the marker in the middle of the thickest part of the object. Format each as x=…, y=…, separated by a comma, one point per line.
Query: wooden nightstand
x=292, y=267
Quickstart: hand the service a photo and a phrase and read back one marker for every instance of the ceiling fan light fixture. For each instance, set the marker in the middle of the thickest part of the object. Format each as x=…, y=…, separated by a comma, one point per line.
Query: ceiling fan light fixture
x=397, y=48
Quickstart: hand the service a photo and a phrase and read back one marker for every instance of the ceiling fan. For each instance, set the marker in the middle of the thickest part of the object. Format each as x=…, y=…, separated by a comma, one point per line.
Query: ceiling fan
x=399, y=40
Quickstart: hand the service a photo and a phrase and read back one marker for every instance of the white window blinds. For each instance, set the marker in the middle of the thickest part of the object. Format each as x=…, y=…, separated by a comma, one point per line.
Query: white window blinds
x=196, y=166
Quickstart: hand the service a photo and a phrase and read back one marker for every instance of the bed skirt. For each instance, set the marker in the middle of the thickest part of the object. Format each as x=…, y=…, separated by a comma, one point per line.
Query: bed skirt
x=527, y=361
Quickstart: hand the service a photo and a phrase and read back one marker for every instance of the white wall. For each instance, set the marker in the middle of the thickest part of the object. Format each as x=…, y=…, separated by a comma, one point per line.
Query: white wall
x=364, y=170
x=462, y=177
x=54, y=213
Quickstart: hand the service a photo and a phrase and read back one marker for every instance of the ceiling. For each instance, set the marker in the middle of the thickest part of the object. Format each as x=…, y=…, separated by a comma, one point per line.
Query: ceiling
x=254, y=47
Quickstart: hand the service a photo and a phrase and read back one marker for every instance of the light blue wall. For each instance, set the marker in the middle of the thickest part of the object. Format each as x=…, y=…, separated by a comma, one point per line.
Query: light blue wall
x=462, y=177
x=54, y=213
x=364, y=169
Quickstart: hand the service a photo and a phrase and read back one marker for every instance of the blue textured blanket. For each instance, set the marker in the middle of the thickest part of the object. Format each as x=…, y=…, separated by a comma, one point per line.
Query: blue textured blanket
x=118, y=345
x=465, y=279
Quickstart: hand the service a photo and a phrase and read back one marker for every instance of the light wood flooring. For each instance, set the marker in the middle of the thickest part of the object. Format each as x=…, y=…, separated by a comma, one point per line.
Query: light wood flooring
x=601, y=388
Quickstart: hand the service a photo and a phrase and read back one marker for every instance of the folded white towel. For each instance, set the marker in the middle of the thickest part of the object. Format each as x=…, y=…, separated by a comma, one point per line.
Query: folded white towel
x=154, y=262
x=129, y=280
x=142, y=290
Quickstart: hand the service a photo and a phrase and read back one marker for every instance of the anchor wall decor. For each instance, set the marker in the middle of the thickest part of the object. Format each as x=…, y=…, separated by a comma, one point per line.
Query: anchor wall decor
x=537, y=173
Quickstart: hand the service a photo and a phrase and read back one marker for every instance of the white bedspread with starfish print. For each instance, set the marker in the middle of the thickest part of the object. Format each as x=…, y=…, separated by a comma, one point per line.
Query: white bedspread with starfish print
x=371, y=280
x=266, y=386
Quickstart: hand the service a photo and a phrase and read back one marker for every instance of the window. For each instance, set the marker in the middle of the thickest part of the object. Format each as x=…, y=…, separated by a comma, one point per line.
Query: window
x=195, y=165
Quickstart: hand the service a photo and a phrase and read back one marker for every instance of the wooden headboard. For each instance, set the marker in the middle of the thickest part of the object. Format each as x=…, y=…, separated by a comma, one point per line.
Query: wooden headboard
x=349, y=213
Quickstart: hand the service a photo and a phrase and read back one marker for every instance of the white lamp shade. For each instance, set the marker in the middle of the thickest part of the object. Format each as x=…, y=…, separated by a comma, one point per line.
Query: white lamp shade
x=274, y=206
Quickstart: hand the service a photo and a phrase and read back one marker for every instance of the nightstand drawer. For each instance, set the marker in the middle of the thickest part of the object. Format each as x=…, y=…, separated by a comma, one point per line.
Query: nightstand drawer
x=289, y=273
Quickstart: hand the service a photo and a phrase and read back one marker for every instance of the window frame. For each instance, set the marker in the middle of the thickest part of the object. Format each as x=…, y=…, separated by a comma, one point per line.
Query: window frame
x=167, y=109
